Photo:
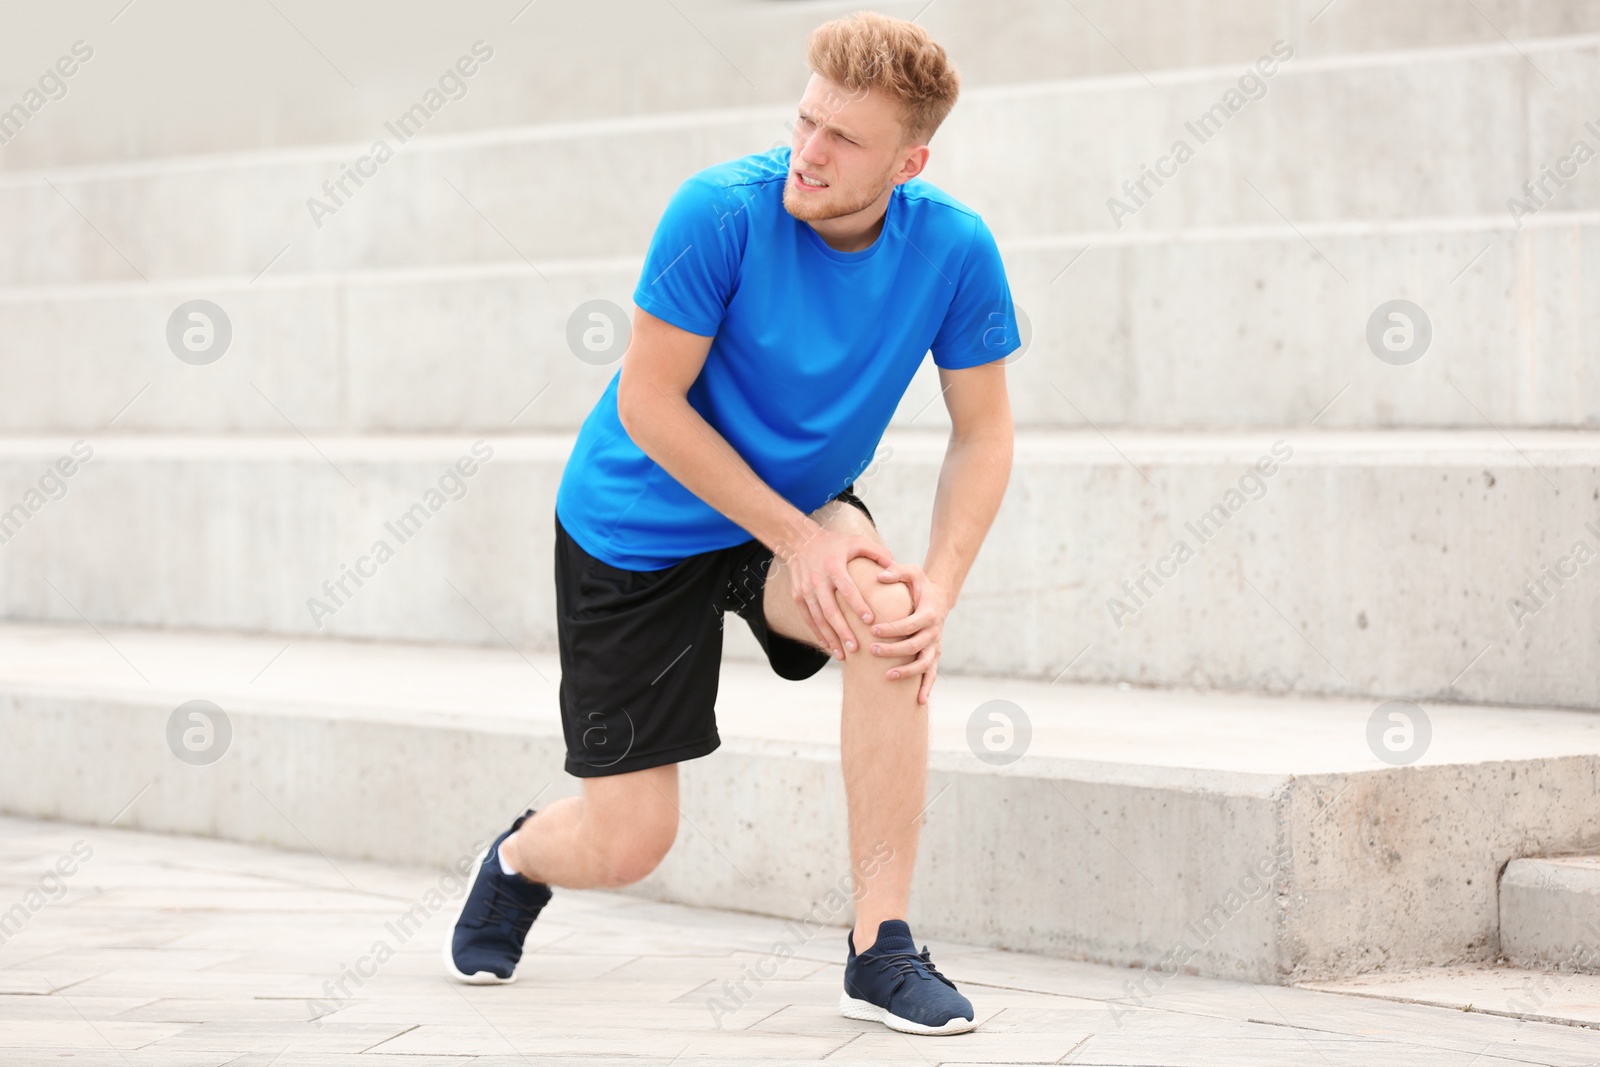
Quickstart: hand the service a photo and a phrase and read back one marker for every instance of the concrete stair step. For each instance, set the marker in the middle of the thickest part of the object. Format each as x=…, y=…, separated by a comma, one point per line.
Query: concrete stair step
x=1216, y=328
x=1261, y=833
x=1550, y=912
x=265, y=88
x=1288, y=561
x=1041, y=157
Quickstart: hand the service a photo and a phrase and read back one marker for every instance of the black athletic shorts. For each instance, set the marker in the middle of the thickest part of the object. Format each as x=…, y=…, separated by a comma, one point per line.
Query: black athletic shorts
x=641, y=651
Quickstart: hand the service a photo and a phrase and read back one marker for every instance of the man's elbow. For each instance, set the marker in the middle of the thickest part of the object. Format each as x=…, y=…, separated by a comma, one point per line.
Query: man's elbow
x=990, y=444
x=640, y=408
x=625, y=409
x=630, y=408
x=993, y=432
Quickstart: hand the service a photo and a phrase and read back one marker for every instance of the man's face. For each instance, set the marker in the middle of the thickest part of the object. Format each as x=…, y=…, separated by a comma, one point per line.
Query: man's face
x=851, y=144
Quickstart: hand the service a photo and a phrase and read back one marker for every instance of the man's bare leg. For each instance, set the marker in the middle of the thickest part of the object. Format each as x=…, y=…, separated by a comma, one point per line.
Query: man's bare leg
x=617, y=832
x=883, y=735
x=883, y=743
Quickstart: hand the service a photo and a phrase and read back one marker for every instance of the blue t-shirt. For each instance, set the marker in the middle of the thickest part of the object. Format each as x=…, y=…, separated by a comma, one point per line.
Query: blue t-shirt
x=812, y=350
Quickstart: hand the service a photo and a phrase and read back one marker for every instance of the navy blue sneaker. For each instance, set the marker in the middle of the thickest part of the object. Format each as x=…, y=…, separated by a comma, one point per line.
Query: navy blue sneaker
x=894, y=984
x=485, y=943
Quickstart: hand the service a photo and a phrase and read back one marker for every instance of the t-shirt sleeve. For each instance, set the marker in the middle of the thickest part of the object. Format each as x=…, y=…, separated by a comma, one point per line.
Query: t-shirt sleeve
x=980, y=325
x=693, y=261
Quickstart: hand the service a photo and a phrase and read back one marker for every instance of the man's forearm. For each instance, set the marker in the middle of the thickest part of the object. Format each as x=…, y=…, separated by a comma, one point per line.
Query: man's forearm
x=675, y=435
x=972, y=482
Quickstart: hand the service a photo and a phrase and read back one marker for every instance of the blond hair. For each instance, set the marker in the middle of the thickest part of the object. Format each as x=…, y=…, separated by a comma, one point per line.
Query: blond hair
x=866, y=50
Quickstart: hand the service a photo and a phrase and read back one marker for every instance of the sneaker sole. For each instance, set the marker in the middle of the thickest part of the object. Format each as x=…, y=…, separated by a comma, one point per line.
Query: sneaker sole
x=450, y=968
x=851, y=1008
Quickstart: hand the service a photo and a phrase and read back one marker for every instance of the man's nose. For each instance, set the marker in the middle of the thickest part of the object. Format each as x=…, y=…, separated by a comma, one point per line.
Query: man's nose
x=810, y=150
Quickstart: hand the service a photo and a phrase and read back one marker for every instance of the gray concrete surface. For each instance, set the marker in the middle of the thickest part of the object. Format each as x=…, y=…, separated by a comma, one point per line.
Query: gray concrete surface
x=1524, y=994
x=303, y=75
x=560, y=191
x=170, y=951
x=1550, y=912
x=1206, y=330
x=1375, y=564
x=1242, y=837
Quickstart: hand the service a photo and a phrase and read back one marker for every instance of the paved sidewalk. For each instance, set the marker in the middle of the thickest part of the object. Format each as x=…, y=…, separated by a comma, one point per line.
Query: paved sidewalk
x=144, y=949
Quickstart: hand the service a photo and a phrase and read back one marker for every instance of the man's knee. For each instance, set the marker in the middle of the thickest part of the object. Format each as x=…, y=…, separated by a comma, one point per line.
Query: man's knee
x=632, y=824
x=888, y=601
x=631, y=856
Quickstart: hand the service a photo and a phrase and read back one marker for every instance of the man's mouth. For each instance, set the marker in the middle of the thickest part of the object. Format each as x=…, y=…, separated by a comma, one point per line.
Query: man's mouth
x=808, y=181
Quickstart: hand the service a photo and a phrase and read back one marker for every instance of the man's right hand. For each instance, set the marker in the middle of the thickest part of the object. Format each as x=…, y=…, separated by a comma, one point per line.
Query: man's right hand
x=818, y=571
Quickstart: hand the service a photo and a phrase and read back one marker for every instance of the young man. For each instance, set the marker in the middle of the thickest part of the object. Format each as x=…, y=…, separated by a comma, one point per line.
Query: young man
x=786, y=301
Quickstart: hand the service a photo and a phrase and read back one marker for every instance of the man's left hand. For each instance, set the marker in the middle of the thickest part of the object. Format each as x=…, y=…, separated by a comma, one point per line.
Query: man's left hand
x=920, y=632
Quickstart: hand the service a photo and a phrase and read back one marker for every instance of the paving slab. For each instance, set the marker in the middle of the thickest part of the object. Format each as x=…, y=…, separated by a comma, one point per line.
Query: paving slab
x=1510, y=991
x=575, y=1004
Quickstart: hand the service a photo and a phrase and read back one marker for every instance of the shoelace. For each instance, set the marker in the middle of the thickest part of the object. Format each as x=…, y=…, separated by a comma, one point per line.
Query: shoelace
x=905, y=964
x=505, y=905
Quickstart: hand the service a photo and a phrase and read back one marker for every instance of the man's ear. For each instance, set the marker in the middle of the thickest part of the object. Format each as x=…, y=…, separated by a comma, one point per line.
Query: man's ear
x=915, y=161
